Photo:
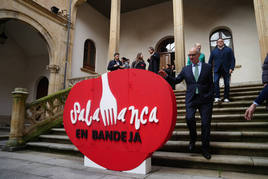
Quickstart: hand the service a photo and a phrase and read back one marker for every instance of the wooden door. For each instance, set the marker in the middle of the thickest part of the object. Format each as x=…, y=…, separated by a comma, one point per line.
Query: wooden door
x=165, y=58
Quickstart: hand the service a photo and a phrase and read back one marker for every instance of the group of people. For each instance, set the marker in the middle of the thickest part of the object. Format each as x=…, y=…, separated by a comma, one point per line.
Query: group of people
x=138, y=63
x=202, y=90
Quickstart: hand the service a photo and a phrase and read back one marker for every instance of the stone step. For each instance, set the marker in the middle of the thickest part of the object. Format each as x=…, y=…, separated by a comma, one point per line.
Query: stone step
x=229, y=117
x=232, y=89
x=232, y=99
x=226, y=136
x=225, y=148
x=63, y=139
x=217, y=162
x=233, y=94
x=4, y=137
x=7, y=129
x=224, y=105
x=246, y=136
x=58, y=131
x=231, y=126
x=54, y=147
x=4, y=133
x=229, y=110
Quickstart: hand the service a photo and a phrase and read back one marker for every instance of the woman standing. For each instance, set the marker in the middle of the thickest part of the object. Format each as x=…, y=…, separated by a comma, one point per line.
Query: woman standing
x=139, y=62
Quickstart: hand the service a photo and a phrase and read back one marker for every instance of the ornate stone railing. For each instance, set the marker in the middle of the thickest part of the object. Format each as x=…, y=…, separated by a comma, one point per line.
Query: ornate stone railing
x=73, y=81
x=43, y=111
x=31, y=120
x=28, y=121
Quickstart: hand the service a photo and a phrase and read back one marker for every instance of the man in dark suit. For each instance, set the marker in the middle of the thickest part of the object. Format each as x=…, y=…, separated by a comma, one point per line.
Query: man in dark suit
x=199, y=95
x=224, y=63
x=263, y=94
x=258, y=101
x=115, y=64
x=154, y=60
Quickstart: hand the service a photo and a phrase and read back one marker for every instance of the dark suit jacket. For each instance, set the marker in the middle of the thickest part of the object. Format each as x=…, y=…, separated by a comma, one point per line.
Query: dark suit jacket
x=154, y=63
x=224, y=58
x=204, y=83
x=265, y=70
x=262, y=96
x=111, y=65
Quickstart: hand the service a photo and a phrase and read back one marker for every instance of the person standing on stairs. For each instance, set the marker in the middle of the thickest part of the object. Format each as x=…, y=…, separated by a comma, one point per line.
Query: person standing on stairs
x=224, y=63
x=199, y=95
x=154, y=60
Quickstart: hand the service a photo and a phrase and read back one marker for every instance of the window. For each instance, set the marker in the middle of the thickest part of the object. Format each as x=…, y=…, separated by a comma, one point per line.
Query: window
x=223, y=34
x=89, y=55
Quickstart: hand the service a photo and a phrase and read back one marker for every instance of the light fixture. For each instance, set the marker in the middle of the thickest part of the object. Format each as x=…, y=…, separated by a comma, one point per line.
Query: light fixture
x=55, y=10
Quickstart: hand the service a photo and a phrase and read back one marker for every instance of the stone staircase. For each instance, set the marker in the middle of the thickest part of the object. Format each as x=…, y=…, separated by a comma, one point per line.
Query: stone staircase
x=4, y=134
x=236, y=144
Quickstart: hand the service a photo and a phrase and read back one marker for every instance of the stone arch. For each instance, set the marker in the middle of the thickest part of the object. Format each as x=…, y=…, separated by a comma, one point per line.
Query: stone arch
x=11, y=14
x=163, y=39
x=218, y=28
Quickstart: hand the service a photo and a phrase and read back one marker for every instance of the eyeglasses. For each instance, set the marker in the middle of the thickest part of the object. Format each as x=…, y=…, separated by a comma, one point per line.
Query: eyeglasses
x=191, y=55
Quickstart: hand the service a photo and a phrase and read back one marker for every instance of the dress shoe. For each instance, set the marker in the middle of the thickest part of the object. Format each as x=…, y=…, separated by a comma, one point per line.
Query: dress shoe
x=206, y=155
x=191, y=146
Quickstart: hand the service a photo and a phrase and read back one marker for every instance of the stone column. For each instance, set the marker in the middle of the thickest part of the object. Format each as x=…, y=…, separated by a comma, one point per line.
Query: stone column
x=178, y=34
x=261, y=14
x=17, y=117
x=53, y=86
x=114, y=28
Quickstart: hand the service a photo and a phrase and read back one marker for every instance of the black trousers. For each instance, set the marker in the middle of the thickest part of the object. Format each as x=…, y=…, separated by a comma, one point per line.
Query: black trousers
x=205, y=110
x=226, y=79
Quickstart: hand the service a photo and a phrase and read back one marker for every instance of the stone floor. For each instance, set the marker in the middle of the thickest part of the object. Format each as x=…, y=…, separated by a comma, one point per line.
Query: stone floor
x=39, y=165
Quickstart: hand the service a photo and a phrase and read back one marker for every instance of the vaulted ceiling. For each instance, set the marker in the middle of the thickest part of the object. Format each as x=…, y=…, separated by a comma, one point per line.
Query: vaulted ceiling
x=104, y=6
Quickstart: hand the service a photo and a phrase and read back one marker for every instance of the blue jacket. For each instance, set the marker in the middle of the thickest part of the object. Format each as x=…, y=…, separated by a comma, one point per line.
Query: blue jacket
x=111, y=65
x=265, y=70
x=262, y=96
x=204, y=83
x=224, y=58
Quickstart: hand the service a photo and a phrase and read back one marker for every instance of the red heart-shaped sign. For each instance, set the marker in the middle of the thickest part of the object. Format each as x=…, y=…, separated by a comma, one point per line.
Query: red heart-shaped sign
x=119, y=119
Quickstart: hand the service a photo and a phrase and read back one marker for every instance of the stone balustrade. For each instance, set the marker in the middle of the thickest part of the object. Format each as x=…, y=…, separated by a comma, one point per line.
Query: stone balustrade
x=73, y=81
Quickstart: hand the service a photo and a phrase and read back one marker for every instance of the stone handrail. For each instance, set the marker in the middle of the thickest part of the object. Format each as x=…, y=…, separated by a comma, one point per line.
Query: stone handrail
x=44, y=110
x=73, y=81
x=28, y=121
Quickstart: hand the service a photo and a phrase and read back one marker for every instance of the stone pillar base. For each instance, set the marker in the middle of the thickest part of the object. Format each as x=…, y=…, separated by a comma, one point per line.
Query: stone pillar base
x=14, y=145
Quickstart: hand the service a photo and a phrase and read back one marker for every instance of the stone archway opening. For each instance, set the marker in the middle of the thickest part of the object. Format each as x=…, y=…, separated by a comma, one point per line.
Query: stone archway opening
x=42, y=87
x=166, y=48
x=24, y=57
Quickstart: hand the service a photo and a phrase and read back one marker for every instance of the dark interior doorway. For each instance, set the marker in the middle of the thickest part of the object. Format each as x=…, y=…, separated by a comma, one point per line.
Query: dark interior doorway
x=42, y=88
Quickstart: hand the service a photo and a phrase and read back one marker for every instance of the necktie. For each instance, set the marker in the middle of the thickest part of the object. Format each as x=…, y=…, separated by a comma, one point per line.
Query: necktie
x=196, y=75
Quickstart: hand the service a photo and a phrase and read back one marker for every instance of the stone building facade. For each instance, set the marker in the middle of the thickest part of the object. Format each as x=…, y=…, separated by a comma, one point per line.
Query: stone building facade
x=38, y=37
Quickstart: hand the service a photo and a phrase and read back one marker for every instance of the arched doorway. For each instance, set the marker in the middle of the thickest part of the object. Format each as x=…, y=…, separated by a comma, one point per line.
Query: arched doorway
x=224, y=34
x=166, y=48
x=42, y=88
x=24, y=58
